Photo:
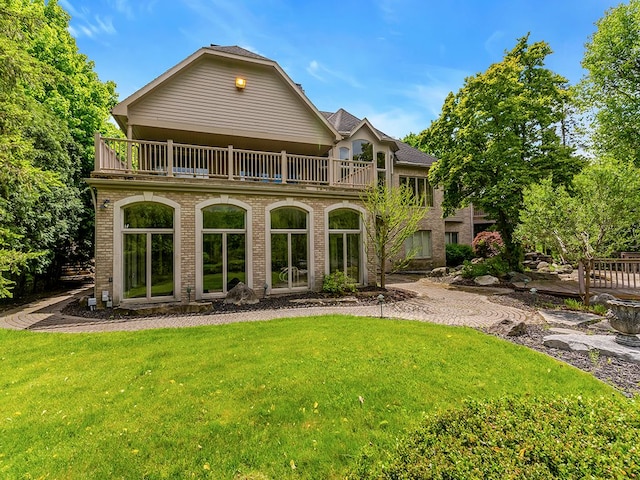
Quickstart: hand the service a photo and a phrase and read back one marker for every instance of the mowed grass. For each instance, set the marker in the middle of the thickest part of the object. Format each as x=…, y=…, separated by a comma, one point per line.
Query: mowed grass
x=277, y=399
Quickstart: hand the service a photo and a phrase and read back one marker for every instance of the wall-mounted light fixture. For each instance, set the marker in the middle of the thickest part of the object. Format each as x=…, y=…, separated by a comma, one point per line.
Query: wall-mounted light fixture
x=240, y=83
x=106, y=203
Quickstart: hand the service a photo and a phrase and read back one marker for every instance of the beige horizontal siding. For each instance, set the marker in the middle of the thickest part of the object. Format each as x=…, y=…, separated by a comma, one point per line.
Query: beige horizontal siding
x=205, y=95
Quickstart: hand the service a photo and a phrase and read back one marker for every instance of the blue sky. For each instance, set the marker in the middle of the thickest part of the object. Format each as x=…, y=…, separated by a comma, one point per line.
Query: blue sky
x=392, y=61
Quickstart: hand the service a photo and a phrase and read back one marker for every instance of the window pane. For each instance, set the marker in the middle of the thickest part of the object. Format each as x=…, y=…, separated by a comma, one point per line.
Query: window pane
x=382, y=159
x=135, y=266
x=161, y=264
x=223, y=216
x=299, y=266
x=279, y=261
x=353, y=256
x=212, y=262
x=344, y=153
x=236, y=259
x=336, y=252
x=148, y=215
x=362, y=151
x=289, y=218
x=344, y=219
x=420, y=242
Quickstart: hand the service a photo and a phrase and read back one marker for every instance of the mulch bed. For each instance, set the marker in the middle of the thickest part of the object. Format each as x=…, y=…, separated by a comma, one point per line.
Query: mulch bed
x=363, y=296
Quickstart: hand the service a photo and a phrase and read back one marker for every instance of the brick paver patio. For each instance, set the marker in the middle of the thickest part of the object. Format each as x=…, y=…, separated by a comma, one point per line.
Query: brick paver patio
x=434, y=302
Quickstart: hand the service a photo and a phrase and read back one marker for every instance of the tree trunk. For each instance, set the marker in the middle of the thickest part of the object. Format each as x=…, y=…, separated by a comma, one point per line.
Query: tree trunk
x=383, y=262
x=587, y=281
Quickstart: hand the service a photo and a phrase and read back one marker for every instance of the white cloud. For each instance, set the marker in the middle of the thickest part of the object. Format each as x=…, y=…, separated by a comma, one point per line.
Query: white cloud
x=324, y=74
x=87, y=25
x=494, y=44
x=397, y=122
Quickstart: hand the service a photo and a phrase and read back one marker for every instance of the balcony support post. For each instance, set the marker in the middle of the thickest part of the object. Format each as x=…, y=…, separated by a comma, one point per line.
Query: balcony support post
x=170, y=158
x=283, y=167
x=331, y=165
x=230, y=162
x=97, y=161
x=129, y=148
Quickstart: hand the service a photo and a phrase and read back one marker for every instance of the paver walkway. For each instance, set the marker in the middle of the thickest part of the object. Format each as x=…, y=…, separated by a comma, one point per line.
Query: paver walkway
x=434, y=302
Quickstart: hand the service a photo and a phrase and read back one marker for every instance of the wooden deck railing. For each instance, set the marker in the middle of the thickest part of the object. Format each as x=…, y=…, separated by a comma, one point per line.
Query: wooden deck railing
x=609, y=273
x=116, y=155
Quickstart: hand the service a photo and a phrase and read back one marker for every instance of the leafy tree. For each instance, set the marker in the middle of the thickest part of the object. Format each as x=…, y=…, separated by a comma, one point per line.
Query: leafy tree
x=609, y=90
x=500, y=133
x=598, y=215
x=51, y=102
x=394, y=215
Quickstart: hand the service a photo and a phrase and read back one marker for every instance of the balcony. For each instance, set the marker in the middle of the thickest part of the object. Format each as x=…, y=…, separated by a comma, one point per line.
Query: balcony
x=167, y=159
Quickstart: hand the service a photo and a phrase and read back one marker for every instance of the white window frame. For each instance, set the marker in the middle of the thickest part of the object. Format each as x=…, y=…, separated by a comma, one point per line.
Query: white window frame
x=118, y=248
x=222, y=200
x=363, y=259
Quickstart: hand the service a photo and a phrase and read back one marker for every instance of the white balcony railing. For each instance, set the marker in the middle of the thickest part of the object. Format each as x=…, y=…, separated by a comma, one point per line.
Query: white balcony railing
x=116, y=155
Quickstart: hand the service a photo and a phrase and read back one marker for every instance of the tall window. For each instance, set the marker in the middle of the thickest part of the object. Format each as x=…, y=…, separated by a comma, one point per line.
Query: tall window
x=148, y=250
x=344, y=243
x=289, y=248
x=224, y=236
x=421, y=189
x=381, y=165
x=420, y=244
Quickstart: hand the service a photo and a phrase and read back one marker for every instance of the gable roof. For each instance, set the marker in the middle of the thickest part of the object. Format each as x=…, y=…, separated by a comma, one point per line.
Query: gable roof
x=234, y=52
x=347, y=124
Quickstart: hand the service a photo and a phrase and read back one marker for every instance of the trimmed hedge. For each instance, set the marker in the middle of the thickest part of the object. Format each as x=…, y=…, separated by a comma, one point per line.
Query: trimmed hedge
x=567, y=438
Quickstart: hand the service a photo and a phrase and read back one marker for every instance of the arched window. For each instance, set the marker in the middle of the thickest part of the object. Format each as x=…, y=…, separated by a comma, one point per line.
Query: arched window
x=148, y=237
x=344, y=243
x=224, y=248
x=289, y=248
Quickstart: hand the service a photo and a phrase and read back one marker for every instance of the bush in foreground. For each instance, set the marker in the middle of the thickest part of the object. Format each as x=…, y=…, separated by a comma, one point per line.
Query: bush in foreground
x=457, y=253
x=568, y=438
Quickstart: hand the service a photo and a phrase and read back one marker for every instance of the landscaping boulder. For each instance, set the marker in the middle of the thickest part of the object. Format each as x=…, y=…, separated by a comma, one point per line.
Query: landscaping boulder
x=486, y=280
x=439, y=272
x=542, y=265
x=601, y=299
x=515, y=277
x=241, y=295
x=458, y=279
x=508, y=328
x=566, y=268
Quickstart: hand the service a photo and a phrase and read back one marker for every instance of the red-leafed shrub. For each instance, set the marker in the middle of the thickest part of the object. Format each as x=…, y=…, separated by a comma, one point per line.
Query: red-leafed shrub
x=487, y=244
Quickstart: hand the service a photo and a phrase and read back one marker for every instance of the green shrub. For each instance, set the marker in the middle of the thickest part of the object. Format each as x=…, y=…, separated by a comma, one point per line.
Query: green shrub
x=338, y=283
x=578, y=306
x=568, y=438
x=496, y=266
x=457, y=253
x=487, y=244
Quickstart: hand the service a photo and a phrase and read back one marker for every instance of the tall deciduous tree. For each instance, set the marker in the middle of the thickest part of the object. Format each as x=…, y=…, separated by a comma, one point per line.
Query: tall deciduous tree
x=610, y=91
x=501, y=132
x=393, y=216
x=51, y=102
x=598, y=215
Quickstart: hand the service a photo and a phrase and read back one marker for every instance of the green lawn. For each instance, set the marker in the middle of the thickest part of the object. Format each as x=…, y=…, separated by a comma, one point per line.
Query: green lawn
x=276, y=399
